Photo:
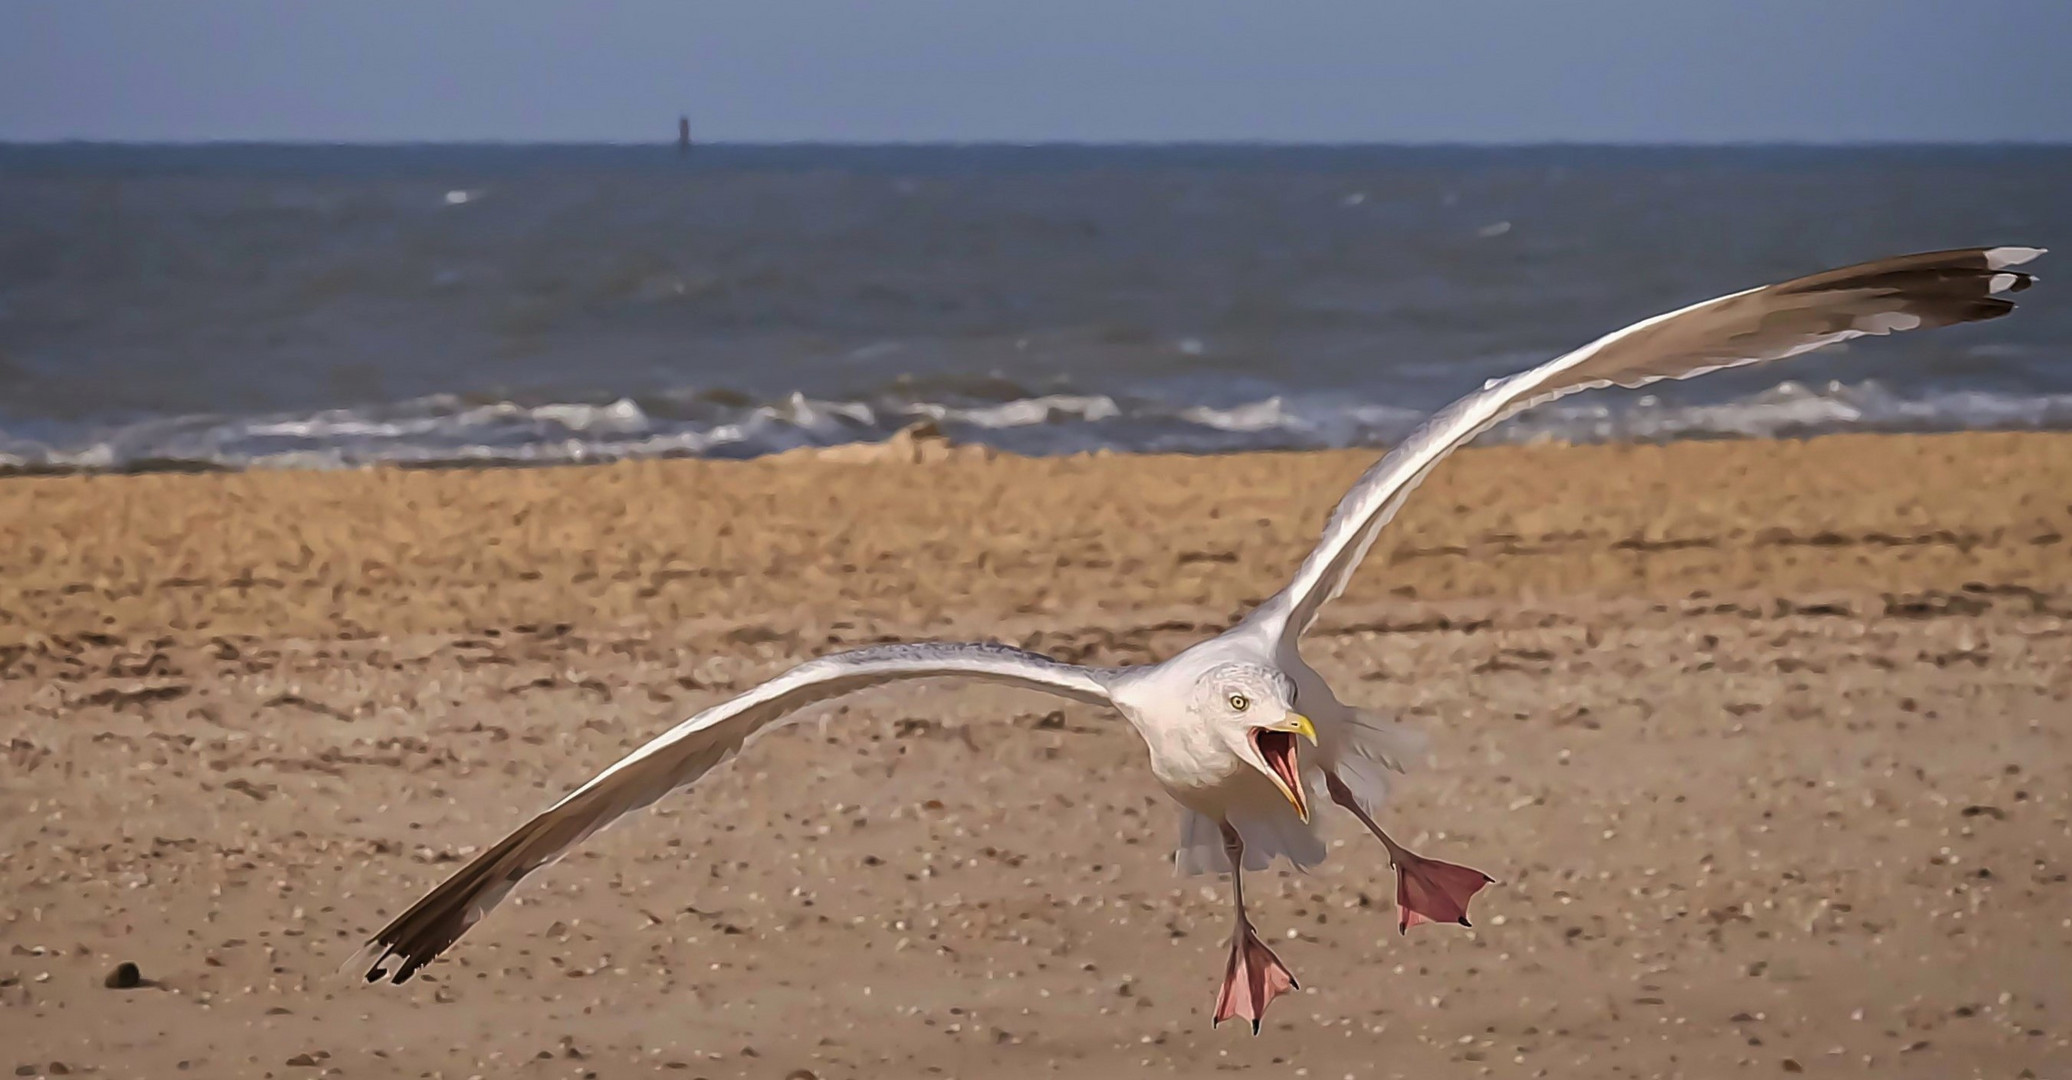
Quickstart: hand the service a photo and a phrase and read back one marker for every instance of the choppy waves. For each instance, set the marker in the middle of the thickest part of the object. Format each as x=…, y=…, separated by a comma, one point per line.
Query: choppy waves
x=449, y=430
x=336, y=307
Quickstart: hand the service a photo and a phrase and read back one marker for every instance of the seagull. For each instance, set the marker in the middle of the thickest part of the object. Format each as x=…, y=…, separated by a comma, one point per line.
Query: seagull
x=1226, y=721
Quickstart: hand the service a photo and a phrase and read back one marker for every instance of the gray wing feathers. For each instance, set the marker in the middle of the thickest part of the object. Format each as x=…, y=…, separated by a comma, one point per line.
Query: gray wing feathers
x=1774, y=322
x=678, y=758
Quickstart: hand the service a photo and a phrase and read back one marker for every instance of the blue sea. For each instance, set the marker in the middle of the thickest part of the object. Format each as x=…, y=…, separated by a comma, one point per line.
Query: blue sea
x=321, y=306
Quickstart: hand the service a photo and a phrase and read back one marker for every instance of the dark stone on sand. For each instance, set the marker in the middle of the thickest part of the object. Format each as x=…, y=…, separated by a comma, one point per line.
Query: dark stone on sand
x=124, y=977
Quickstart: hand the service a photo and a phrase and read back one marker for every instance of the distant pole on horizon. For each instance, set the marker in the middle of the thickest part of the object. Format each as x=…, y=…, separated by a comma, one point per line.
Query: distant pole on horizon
x=683, y=134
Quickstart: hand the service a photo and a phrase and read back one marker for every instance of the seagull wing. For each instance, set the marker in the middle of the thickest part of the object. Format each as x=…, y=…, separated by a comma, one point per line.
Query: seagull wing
x=1769, y=323
x=675, y=760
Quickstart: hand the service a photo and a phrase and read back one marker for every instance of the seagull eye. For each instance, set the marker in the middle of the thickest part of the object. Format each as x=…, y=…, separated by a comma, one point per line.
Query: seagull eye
x=1240, y=702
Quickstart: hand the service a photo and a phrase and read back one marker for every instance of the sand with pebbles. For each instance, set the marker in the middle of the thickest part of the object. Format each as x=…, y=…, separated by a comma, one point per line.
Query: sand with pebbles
x=1767, y=743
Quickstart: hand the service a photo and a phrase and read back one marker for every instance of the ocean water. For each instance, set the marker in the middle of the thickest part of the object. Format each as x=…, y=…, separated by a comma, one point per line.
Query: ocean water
x=336, y=306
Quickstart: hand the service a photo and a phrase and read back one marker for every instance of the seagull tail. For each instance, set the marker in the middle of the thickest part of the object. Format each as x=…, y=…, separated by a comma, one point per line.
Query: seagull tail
x=1201, y=848
x=1271, y=832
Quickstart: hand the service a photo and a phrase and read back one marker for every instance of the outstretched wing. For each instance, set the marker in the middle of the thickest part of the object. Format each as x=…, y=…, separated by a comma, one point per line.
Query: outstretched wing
x=676, y=759
x=1769, y=323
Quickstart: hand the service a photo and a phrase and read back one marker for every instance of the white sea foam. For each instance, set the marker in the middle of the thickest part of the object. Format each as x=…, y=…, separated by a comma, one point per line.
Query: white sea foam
x=1268, y=415
x=1048, y=409
x=447, y=430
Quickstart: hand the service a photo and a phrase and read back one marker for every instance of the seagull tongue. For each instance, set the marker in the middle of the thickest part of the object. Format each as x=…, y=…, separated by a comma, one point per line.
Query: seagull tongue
x=1278, y=748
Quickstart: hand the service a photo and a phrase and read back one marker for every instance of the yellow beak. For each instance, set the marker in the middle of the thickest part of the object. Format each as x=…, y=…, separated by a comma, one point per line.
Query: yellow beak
x=1291, y=785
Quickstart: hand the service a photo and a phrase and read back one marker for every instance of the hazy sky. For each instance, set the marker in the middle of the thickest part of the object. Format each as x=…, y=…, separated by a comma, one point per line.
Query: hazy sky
x=1037, y=70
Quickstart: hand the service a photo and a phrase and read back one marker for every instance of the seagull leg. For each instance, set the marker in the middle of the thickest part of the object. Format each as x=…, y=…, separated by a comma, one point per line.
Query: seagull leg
x=1255, y=976
x=1427, y=890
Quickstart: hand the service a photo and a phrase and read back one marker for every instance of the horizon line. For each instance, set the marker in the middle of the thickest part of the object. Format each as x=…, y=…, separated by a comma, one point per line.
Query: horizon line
x=1040, y=144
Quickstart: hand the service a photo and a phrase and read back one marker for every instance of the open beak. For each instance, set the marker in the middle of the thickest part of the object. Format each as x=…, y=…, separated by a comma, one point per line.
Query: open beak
x=1276, y=746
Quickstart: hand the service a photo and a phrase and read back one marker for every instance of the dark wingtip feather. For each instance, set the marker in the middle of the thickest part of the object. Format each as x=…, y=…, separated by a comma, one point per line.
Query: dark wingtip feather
x=1938, y=288
x=430, y=926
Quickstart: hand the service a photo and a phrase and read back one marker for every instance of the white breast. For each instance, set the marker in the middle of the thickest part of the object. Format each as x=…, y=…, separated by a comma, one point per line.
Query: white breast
x=1190, y=761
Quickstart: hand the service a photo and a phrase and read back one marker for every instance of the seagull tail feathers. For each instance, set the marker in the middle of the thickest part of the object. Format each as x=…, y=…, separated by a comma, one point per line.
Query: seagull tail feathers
x=1270, y=830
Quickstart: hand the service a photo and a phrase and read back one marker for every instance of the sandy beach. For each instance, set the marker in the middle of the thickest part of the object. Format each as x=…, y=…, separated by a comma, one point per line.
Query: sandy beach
x=1767, y=743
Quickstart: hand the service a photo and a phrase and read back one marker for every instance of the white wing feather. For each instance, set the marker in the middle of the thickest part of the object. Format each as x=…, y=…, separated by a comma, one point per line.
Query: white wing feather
x=678, y=758
x=1751, y=327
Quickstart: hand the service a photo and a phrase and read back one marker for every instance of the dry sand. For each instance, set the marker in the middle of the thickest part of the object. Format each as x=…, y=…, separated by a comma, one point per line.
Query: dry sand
x=1766, y=742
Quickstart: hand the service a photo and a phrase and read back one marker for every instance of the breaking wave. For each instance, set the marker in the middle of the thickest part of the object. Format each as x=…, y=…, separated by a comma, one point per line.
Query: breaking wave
x=448, y=430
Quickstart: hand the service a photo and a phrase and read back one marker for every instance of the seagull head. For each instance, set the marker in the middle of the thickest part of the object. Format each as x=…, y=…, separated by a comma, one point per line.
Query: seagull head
x=1254, y=707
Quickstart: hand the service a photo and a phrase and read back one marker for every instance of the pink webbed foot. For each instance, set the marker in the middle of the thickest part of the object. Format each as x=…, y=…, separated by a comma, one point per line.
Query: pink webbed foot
x=1428, y=890
x=1254, y=978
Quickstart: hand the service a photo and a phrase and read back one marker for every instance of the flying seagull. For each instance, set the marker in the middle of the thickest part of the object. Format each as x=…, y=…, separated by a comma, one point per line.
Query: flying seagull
x=1225, y=721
